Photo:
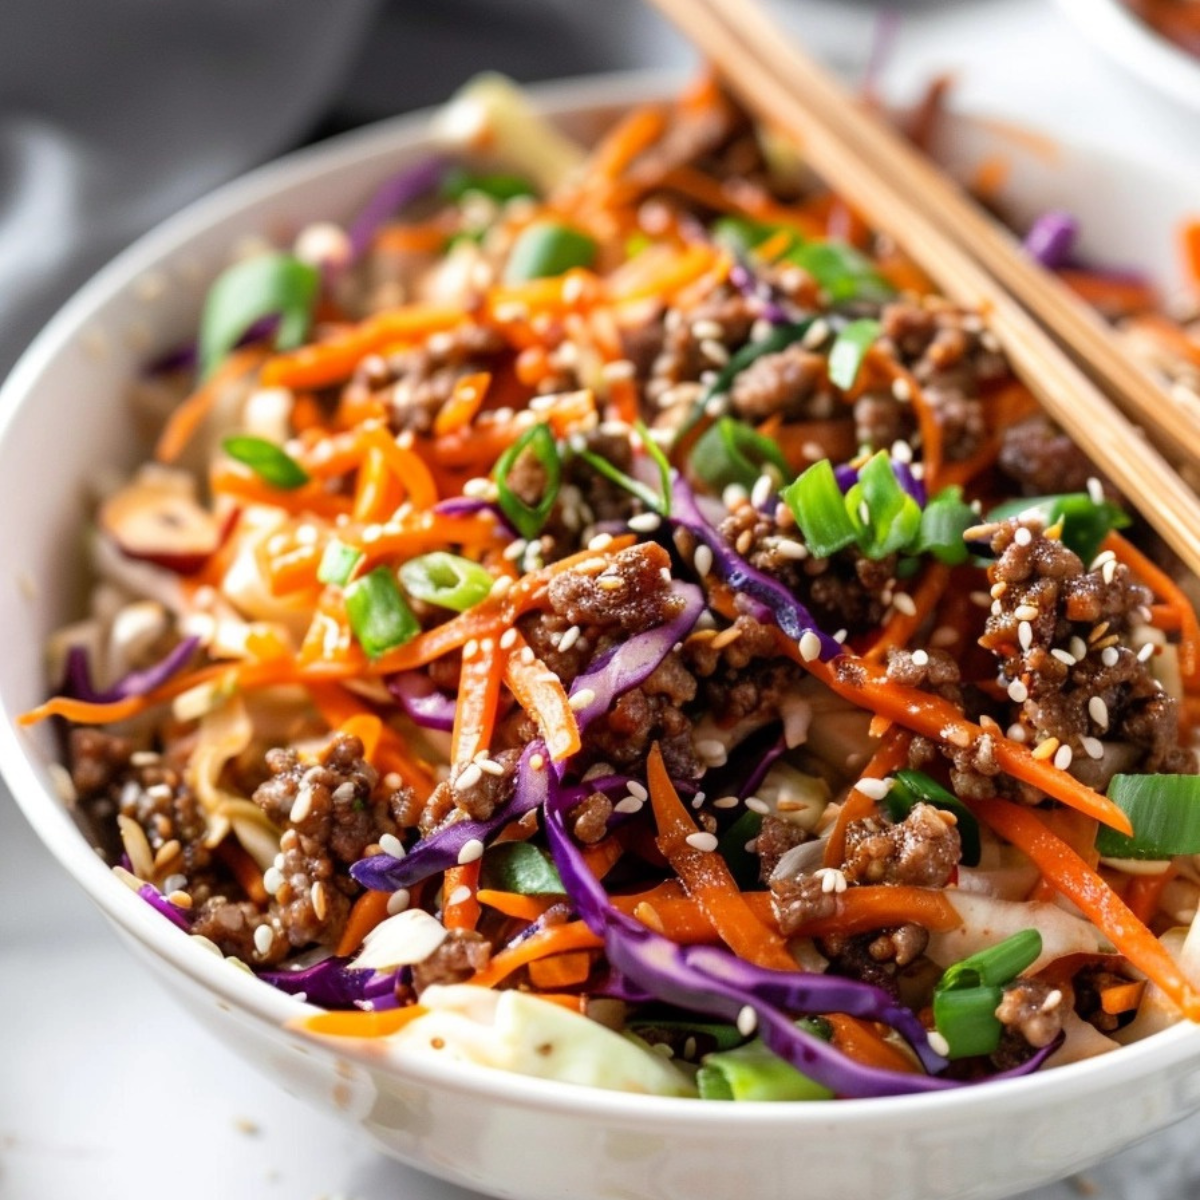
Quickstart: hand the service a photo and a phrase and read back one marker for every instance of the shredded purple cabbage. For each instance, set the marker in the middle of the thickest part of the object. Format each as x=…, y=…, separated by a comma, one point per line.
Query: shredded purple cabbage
x=403, y=188
x=1051, y=238
x=77, y=682
x=790, y=615
x=176, y=915
x=425, y=704
x=467, y=506
x=847, y=477
x=335, y=983
x=753, y=288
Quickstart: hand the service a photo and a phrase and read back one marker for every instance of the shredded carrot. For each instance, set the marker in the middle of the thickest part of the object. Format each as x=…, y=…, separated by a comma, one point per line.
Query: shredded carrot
x=1113, y=295
x=1190, y=236
x=460, y=901
x=368, y=728
x=561, y=970
x=625, y=141
x=516, y=904
x=368, y=910
x=404, y=463
x=478, y=696
x=901, y=626
x=1075, y=880
x=1144, y=893
x=540, y=692
x=603, y=855
x=245, y=870
x=459, y=411
x=930, y=425
x=890, y=755
x=706, y=876
x=355, y=1023
x=865, y=907
x=1122, y=997
x=555, y=939
x=862, y=1042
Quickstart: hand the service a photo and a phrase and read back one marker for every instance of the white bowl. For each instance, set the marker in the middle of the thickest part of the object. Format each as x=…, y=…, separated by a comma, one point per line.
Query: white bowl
x=62, y=415
x=1137, y=46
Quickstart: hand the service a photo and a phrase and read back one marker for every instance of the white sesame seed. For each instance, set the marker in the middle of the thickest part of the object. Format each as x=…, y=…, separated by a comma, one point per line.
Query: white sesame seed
x=1109, y=571
x=1092, y=747
x=747, y=1021
x=1095, y=490
x=1025, y=634
x=527, y=655
x=1026, y=612
x=272, y=880
x=568, y=639
x=754, y=804
x=840, y=635
x=712, y=752
x=646, y=522
x=636, y=789
x=761, y=493
x=937, y=1043
x=810, y=646
x=1018, y=693
x=618, y=369
x=581, y=699
x=980, y=599
x=460, y=895
x=1098, y=711
x=601, y=541
x=391, y=845
x=478, y=489
x=468, y=777
x=1023, y=536
x=471, y=648
x=702, y=560
x=920, y=658
x=508, y=639
x=1078, y=647
x=1109, y=656
x=714, y=351
x=786, y=548
x=874, y=789
x=905, y=604
x=1016, y=733
x=320, y=904
x=628, y=804
x=1063, y=657
x=537, y=762
x=816, y=333
x=726, y=802
x=707, y=329
x=472, y=851
x=302, y=805
x=398, y=901
x=1101, y=559
x=1146, y=652
x=902, y=451
x=264, y=939
x=706, y=842
x=833, y=880
x=1063, y=756
x=901, y=390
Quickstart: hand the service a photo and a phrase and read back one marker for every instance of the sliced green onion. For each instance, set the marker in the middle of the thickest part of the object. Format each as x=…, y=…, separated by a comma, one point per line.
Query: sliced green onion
x=819, y=507
x=271, y=463
x=995, y=966
x=1164, y=811
x=378, y=613
x=520, y=867
x=1085, y=524
x=730, y=452
x=890, y=518
x=338, y=563
x=267, y=285
x=548, y=248
x=912, y=787
x=944, y=520
x=447, y=580
x=841, y=272
x=497, y=186
x=753, y=1072
x=778, y=339
x=654, y=450
x=529, y=518
x=849, y=350
x=743, y=235
x=967, y=1019
x=743, y=865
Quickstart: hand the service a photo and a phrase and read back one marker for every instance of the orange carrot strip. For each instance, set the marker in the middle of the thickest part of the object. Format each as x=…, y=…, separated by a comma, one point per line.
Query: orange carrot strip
x=541, y=694
x=460, y=903
x=889, y=756
x=369, y=910
x=901, y=626
x=85, y=712
x=189, y=415
x=330, y=361
x=404, y=463
x=707, y=878
x=622, y=144
x=1167, y=590
x=245, y=870
x=555, y=939
x=859, y=909
x=561, y=970
x=603, y=855
x=667, y=279
x=1145, y=892
x=242, y=484
x=368, y=728
x=860, y=1041
x=516, y=905
x=932, y=449
x=1095, y=899
x=358, y=1024
x=459, y=411
x=1113, y=296
x=478, y=697
x=1122, y=997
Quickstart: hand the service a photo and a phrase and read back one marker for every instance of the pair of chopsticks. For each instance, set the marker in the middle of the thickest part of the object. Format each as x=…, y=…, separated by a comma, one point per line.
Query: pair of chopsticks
x=1062, y=350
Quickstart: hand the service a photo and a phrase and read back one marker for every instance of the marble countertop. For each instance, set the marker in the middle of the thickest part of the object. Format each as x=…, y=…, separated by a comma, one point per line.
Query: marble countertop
x=105, y=1085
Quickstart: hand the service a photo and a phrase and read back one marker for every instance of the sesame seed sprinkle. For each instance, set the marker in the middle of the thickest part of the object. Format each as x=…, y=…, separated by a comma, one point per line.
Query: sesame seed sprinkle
x=1063, y=657
x=874, y=789
x=638, y=790
x=1023, y=536
x=1098, y=711
x=472, y=851
x=272, y=880
x=705, y=842
x=726, y=802
x=1095, y=490
x=264, y=939
x=764, y=485
x=938, y=1044
x=508, y=639
x=1025, y=634
x=1063, y=756
x=391, y=845
x=747, y=1021
x=810, y=646
x=489, y=766
x=905, y=604
x=1018, y=693
x=581, y=699
x=702, y=560
x=1109, y=656
x=1146, y=652
x=628, y=804
x=1046, y=749
x=1026, y=612
x=920, y=658
x=601, y=541
x=460, y=895
x=468, y=777
x=757, y=805
x=646, y=522
x=1092, y=747
x=398, y=901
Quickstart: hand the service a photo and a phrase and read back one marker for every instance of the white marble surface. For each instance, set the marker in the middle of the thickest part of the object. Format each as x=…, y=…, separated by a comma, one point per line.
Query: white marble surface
x=107, y=1091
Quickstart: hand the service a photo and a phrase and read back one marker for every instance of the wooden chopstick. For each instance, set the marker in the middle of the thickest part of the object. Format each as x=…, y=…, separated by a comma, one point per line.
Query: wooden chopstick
x=959, y=248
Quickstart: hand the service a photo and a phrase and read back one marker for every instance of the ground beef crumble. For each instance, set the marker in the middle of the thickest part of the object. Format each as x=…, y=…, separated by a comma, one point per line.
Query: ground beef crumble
x=922, y=850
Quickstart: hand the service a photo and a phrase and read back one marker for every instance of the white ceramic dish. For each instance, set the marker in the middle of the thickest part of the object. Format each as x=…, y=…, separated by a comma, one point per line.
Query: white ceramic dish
x=1138, y=47
x=62, y=416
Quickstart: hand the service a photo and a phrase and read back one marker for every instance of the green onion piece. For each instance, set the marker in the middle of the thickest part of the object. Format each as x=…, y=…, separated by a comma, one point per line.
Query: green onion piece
x=743, y=235
x=548, y=248
x=729, y=452
x=529, y=518
x=967, y=1019
x=892, y=517
x=819, y=507
x=338, y=563
x=912, y=787
x=267, y=285
x=379, y=615
x=944, y=520
x=654, y=450
x=498, y=186
x=1085, y=524
x=995, y=966
x=520, y=867
x=447, y=580
x=849, y=350
x=841, y=272
x=743, y=865
x=271, y=463
x=707, y=1033
x=753, y=1072
x=1164, y=811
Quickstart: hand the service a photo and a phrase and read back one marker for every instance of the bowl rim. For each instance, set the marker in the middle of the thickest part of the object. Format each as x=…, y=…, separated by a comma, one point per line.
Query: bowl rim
x=50, y=817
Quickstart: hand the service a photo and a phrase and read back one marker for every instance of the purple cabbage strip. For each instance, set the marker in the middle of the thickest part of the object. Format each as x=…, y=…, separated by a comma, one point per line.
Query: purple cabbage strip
x=77, y=682
x=745, y=281
x=403, y=188
x=847, y=477
x=425, y=704
x=466, y=506
x=176, y=915
x=1051, y=239
x=187, y=356
x=790, y=615
x=334, y=983
x=632, y=662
